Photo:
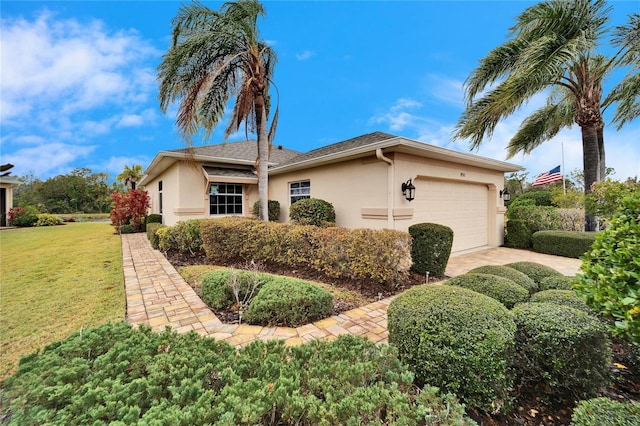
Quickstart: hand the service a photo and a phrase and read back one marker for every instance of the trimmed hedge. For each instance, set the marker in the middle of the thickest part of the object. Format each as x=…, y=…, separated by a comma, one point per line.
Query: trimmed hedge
x=606, y=412
x=501, y=289
x=536, y=271
x=273, y=207
x=312, y=211
x=562, y=297
x=509, y=273
x=289, y=302
x=152, y=234
x=381, y=256
x=557, y=282
x=456, y=339
x=563, y=243
x=216, y=286
x=430, y=248
x=518, y=234
x=184, y=237
x=119, y=375
x=562, y=348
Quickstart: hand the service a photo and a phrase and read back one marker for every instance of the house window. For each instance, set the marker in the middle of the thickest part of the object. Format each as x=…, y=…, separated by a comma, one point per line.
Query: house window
x=225, y=198
x=299, y=190
x=160, y=197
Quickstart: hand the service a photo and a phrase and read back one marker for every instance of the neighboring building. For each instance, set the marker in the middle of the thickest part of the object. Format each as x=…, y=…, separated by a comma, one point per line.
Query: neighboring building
x=362, y=177
x=7, y=183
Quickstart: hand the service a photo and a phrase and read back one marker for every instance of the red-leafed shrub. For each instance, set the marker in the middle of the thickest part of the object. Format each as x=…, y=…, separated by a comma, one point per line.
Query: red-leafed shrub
x=129, y=208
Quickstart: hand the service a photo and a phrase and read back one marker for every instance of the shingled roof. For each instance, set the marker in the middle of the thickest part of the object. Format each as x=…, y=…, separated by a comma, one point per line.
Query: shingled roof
x=243, y=150
x=357, y=142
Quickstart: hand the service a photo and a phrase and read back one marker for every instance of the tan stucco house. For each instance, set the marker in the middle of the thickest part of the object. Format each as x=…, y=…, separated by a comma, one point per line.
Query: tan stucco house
x=362, y=177
x=7, y=183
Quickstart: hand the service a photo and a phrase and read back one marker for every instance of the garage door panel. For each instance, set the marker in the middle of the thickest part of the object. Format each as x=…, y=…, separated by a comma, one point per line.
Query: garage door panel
x=459, y=205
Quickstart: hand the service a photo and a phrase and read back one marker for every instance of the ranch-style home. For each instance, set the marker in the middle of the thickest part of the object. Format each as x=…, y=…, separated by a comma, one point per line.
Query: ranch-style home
x=374, y=181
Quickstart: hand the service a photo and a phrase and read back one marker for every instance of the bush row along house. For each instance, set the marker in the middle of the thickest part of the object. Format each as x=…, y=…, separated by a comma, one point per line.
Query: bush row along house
x=362, y=177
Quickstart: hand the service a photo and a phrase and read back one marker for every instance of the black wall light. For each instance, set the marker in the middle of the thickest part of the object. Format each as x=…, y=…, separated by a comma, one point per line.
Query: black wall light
x=408, y=190
x=505, y=195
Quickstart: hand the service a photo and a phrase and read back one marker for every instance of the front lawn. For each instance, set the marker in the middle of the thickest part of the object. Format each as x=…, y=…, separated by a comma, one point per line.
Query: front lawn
x=55, y=281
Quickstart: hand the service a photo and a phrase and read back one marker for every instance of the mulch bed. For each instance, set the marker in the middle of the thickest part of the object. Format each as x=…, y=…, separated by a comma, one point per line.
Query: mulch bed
x=533, y=407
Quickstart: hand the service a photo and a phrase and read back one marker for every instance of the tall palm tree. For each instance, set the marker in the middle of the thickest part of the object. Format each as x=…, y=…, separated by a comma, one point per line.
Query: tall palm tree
x=214, y=57
x=130, y=175
x=552, y=45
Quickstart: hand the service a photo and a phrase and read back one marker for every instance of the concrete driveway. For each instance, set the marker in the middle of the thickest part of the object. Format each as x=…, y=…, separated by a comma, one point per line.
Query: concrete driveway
x=463, y=263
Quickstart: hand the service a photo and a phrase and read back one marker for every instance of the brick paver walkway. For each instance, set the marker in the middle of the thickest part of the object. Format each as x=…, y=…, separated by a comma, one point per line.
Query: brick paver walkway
x=158, y=296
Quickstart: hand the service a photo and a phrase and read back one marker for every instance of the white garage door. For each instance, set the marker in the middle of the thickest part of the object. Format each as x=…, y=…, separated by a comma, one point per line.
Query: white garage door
x=461, y=206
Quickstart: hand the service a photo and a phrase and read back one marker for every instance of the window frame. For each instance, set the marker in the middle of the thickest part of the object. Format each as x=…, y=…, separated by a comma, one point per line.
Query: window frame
x=230, y=200
x=300, y=195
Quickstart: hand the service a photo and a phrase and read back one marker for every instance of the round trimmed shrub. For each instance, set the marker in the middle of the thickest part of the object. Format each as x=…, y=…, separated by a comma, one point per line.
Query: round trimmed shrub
x=557, y=282
x=456, y=339
x=430, y=248
x=502, y=289
x=312, y=211
x=562, y=297
x=289, y=302
x=273, y=207
x=533, y=270
x=509, y=273
x=606, y=412
x=217, y=290
x=561, y=347
x=518, y=234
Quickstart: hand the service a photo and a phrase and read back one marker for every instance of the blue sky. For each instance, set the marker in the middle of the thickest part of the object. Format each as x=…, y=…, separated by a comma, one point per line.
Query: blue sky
x=78, y=85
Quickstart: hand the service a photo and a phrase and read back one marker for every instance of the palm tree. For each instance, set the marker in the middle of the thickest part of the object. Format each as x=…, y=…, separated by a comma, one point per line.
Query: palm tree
x=216, y=56
x=130, y=175
x=552, y=46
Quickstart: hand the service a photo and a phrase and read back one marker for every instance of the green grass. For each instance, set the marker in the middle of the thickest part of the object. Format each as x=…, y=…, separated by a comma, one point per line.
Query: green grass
x=54, y=281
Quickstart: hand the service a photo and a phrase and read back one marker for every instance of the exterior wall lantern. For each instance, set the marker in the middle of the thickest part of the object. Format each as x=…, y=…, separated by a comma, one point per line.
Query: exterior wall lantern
x=505, y=195
x=408, y=190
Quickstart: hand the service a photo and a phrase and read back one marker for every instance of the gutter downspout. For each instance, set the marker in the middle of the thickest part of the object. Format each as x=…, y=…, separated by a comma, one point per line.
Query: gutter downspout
x=390, y=186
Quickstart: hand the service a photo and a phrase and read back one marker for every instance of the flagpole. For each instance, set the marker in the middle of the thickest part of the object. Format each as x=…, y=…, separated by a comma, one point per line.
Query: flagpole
x=564, y=185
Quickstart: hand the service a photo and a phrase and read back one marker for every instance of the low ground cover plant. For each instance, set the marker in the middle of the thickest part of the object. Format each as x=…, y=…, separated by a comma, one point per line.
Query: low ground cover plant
x=606, y=412
x=119, y=375
x=456, y=339
x=501, y=289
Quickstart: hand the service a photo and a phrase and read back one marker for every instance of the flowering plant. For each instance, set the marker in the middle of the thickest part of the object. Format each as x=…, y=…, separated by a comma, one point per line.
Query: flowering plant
x=129, y=208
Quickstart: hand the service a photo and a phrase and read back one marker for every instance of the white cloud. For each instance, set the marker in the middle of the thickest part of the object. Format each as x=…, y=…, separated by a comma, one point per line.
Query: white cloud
x=46, y=159
x=303, y=56
x=115, y=165
x=147, y=116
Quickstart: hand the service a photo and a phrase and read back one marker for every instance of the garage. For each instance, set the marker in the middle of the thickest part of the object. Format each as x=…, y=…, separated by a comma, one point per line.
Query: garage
x=462, y=206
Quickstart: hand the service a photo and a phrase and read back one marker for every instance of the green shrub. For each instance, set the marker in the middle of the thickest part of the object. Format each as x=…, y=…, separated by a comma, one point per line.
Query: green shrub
x=218, y=287
x=571, y=219
x=518, y=234
x=184, y=237
x=127, y=229
x=152, y=218
x=562, y=348
x=557, y=282
x=536, y=271
x=610, y=282
x=562, y=297
x=509, y=273
x=501, y=289
x=563, y=243
x=120, y=375
x=289, y=302
x=46, y=219
x=606, y=412
x=152, y=233
x=22, y=216
x=537, y=218
x=274, y=210
x=538, y=198
x=430, y=248
x=312, y=211
x=456, y=339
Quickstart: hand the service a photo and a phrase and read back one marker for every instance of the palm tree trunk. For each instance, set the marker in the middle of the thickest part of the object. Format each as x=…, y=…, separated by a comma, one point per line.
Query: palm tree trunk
x=263, y=157
x=591, y=167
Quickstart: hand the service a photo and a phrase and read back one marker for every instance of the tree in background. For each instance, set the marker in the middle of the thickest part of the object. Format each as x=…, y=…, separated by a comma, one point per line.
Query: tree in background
x=216, y=56
x=130, y=175
x=551, y=46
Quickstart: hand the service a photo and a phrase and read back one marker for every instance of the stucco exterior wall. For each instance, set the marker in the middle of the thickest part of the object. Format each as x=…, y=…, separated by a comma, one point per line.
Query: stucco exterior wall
x=8, y=201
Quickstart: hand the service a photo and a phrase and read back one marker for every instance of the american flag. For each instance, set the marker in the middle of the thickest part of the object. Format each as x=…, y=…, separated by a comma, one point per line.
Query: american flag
x=552, y=175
